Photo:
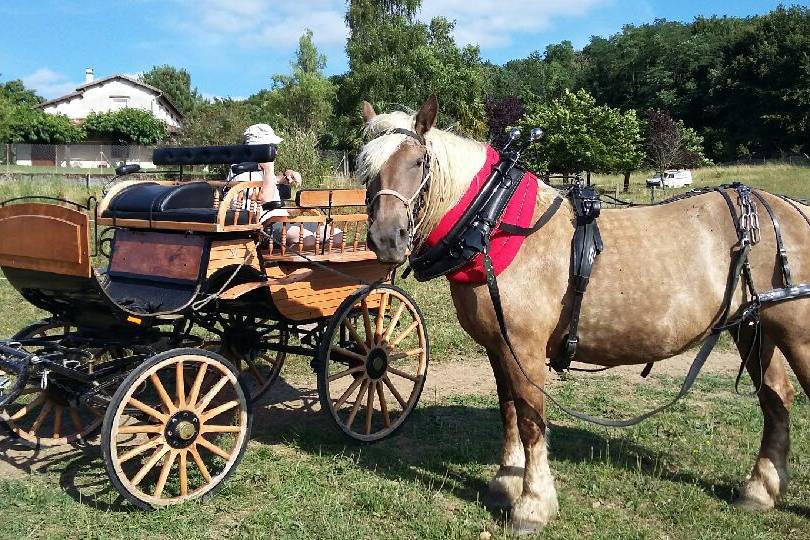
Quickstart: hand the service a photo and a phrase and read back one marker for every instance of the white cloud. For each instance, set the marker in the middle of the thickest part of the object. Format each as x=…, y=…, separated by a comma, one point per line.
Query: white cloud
x=49, y=84
x=497, y=23
x=266, y=24
x=275, y=25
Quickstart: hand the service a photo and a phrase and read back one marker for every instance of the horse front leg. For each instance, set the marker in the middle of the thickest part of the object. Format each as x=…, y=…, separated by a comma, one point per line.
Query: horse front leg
x=507, y=485
x=537, y=503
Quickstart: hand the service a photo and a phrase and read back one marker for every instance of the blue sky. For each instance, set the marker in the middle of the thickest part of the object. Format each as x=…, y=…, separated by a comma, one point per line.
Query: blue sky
x=233, y=47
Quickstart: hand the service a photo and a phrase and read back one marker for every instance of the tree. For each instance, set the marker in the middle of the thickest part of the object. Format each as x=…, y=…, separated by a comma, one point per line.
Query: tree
x=396, y=61
x=303, y=100
x=582, y=136
x=27, y=125
x=671, y=145
x=15, y=93
x=176, y=85
x=127, y=126
x=222, y=121
x=501, y=115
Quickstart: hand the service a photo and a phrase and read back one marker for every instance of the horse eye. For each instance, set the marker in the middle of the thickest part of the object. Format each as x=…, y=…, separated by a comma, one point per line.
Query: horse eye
x=420, y=162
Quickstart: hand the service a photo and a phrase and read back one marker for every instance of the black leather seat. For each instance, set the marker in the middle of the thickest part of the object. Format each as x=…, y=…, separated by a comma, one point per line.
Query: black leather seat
x=192, y=202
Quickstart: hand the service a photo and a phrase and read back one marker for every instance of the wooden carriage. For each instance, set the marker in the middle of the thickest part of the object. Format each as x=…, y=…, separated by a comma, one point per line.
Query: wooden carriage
x=169, y=343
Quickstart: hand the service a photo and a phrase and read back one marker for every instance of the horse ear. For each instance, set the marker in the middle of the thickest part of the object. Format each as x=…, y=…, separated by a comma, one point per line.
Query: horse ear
x=426, y=117
x=368, y=112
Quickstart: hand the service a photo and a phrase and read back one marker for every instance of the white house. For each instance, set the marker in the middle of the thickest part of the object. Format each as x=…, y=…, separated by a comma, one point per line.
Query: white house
x=101, y=95
x=111, y=94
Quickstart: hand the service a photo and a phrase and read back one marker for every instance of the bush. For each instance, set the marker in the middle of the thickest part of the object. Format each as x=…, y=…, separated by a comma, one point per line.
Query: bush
x=27, y=125
x=299, y=151
x=127, y=126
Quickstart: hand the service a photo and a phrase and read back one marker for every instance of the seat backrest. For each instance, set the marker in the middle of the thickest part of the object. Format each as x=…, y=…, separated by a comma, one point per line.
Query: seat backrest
x=153, y=197
x=323, y=198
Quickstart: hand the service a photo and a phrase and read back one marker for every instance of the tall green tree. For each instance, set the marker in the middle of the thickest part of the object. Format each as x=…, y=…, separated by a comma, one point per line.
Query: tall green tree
x=397, y=61
x=221, y=121
x=303, y=100
x=175, y=83
x=583, y=136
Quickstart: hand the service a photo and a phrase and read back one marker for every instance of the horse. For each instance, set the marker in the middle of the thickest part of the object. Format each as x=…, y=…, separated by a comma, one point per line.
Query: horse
x=652, y=295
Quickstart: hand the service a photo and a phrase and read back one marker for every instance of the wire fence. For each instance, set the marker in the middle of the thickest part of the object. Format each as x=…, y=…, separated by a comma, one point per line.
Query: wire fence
x=72, y=158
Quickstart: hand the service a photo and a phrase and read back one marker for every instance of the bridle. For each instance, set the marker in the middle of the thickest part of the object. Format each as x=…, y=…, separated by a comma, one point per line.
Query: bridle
x=414, y=204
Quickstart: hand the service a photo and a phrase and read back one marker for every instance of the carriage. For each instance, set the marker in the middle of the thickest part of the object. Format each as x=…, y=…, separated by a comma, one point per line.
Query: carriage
x=172, y=306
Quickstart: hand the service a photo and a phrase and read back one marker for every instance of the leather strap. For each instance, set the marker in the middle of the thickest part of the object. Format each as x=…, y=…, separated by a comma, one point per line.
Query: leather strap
x=689, y=380
x=539, y=224
x=780, y=243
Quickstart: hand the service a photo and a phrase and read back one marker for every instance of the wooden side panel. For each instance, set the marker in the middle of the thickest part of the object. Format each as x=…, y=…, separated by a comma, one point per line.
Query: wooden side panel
x=45, y=237
x=232, y=252
x=320, y=294
x=175, y=256
x=318, y=198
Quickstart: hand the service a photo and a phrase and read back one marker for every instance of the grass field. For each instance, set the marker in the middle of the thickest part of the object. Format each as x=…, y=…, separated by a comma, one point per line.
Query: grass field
x=670, y=478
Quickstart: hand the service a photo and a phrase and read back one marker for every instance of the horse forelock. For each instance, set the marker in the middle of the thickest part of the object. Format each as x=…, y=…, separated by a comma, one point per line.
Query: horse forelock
x=454, y=162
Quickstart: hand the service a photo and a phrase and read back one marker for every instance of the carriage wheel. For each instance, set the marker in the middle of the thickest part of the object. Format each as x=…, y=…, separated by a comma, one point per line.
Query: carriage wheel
x=47, y=417
x=242, y=344
x=176, y=428
x=372, y=362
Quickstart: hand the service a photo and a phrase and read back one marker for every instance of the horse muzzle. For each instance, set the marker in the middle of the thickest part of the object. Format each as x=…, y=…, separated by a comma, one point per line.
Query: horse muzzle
x=388, y=242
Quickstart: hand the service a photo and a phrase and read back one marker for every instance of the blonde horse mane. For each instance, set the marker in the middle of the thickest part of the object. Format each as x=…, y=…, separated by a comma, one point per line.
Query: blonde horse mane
x=454, y=162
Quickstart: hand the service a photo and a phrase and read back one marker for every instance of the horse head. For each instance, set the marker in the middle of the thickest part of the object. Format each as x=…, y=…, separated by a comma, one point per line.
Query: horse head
x=397, y=178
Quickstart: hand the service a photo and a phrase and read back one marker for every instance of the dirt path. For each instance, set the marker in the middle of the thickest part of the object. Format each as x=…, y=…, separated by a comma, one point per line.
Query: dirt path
x=295, y=399
x=465, y=377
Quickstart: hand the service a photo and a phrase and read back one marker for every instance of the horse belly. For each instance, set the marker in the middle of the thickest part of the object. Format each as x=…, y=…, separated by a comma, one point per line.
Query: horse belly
x=654, y=294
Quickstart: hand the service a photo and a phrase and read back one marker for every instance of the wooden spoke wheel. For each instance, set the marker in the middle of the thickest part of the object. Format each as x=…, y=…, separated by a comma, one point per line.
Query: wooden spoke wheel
x=176, y=428
x=243, y=341
x=372, y=362
x=49, y=417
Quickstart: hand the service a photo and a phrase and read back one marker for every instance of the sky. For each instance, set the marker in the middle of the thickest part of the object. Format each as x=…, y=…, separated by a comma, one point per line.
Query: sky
x=232, y=48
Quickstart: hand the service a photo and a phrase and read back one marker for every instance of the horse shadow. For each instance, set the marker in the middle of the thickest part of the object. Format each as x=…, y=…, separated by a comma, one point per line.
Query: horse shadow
x=456, y=446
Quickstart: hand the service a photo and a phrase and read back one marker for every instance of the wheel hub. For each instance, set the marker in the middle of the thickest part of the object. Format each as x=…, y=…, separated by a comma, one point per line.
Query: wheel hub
x=182, y=429
x=377, y=363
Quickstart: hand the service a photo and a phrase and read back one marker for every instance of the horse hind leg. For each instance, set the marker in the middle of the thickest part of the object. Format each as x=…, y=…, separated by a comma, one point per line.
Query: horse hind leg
x=768, y=481
x=507, y=485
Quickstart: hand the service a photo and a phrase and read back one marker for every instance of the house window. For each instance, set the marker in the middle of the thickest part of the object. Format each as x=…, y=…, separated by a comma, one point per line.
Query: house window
x=119, y=102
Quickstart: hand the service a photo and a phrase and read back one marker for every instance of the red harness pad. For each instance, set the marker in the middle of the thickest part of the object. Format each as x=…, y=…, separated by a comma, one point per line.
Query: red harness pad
x=503, y=246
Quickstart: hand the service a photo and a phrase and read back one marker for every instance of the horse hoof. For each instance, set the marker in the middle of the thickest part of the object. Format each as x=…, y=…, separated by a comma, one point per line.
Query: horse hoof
x=752, y=504
x=531, y=514
x=754, y=497
x=526, y=528
x=503, y=491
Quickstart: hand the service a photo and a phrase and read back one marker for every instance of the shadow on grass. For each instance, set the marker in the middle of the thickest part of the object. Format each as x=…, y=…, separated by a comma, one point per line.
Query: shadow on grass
x=450, y=447
x=80, y=468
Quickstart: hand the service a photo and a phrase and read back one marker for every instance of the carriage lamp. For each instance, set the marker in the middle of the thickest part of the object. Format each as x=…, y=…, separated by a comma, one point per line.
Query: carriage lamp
x=536, y=134
x=514, y=134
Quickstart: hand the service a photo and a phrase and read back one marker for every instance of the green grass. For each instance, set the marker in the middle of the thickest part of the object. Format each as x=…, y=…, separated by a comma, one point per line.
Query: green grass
x=788, y=180
x=672, y=477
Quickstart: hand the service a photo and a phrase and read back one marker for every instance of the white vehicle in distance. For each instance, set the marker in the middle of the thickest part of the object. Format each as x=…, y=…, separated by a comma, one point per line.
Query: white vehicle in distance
x=673, y=178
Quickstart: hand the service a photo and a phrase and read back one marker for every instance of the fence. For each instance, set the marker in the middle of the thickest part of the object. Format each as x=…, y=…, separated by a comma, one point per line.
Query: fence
x=72, y=157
